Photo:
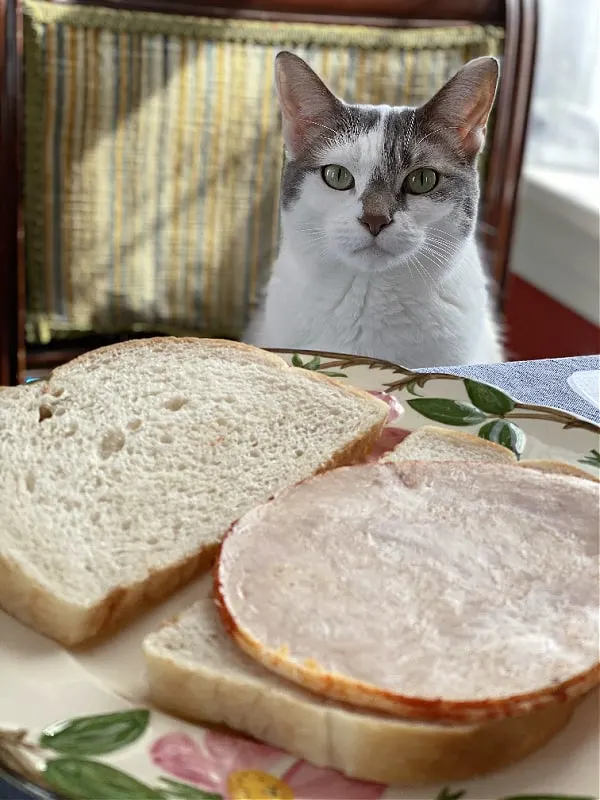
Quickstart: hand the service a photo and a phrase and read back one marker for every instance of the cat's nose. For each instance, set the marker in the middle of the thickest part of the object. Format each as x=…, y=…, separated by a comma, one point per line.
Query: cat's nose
x=374, y=223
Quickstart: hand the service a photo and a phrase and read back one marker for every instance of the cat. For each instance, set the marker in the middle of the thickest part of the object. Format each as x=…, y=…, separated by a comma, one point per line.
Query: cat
x=378, y=209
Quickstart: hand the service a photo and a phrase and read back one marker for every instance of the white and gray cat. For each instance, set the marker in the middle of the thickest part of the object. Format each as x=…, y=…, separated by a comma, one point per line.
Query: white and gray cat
x=378, y=210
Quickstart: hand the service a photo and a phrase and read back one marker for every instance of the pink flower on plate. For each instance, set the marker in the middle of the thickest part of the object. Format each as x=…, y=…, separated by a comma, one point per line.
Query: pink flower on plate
x=311, y=783
x=395, y=407
x=239, y=770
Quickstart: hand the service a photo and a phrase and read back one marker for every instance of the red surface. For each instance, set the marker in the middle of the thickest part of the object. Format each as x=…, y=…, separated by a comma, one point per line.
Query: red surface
x=539, y=327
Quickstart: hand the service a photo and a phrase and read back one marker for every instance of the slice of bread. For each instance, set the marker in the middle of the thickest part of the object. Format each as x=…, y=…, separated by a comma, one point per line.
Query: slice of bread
x=120, y=475
x=197, y=672
x=431, y=443
x=440, y=591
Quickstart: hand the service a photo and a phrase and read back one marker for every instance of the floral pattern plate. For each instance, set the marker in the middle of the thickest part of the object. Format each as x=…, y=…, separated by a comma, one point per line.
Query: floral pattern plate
x=78, y=724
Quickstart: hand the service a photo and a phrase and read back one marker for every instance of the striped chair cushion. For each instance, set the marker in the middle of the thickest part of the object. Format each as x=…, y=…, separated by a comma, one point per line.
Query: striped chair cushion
x=153, y=156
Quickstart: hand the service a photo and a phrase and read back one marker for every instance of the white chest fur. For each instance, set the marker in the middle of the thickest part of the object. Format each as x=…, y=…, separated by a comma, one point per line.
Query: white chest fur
x=402, y=315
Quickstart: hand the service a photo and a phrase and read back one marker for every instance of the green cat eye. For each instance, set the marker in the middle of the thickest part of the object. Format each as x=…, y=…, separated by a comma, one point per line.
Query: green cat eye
x=337, y=177
x=421, y=181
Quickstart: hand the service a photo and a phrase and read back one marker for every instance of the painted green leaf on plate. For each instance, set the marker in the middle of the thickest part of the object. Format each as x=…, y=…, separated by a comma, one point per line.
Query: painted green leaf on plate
x=333, y=374
x=592, y=459
x=314, y=365
x=183, y=791
x=505, y=433
x=80, y=779
x=488, y=399
x=546, y=797
x=448, y=794
x=96, y=735
x=410, y=388
x=448, y=412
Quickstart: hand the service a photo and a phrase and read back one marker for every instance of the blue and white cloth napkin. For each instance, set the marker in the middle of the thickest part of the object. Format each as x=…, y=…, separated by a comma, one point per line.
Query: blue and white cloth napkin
x=569, y=384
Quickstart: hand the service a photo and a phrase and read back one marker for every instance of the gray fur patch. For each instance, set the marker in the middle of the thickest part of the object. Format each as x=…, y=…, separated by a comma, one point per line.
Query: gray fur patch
x=292, y=178
x=351, y=121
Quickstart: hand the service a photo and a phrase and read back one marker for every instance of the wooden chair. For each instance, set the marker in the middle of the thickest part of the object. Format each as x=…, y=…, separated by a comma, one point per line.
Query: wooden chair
x=24, y=239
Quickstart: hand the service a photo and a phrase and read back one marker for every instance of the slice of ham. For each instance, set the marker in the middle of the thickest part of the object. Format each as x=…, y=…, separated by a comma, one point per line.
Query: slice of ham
x=395, y=407
x=433, y=590
x=391, y=435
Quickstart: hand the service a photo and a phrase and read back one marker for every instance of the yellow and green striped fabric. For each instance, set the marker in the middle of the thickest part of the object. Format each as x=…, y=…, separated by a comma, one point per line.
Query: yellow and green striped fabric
x=153, y=156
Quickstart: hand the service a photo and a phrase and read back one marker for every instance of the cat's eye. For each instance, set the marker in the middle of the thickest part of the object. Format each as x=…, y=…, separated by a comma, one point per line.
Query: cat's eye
x=337, y=177
x=421, y=181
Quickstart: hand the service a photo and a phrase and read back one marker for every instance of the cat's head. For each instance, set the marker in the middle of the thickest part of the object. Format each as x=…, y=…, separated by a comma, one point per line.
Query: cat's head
x=373, y=187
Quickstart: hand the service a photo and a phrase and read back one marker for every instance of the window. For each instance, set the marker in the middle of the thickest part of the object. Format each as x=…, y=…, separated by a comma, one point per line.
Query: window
x=565, y=110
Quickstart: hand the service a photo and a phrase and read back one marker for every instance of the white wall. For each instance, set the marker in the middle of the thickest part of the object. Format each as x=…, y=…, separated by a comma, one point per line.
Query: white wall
x=556, y=242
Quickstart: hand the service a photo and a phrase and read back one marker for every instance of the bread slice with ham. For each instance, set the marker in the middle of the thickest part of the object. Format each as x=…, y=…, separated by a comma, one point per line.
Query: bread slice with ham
x=196, y=671
x=440, y=591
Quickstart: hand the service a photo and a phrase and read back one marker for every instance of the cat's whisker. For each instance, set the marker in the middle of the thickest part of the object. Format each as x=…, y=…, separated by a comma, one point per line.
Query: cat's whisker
x=451, y=247
x=457, y=245
x=442, y=258
x=443, y=232
x=423, y=272
x=314, y=249
x=315, y=245
x=319, y=232
x=436, y=260
x=314, y=242
x=428, y=281
x=440, y=250
x=409, y=265
x=444, y=238
x=443, y=254
x=436, y=228
x=444, y=242
x=413, y=261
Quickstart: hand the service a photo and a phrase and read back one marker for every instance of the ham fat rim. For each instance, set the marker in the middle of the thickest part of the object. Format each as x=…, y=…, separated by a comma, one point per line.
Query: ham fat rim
x=523, y=574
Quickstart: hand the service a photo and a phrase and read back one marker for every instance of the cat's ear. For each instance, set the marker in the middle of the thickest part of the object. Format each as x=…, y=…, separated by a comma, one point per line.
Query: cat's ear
x=308, y=108
x=465, y=102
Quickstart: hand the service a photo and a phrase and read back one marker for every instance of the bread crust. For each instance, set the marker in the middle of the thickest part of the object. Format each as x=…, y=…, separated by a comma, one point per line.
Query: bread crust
x=362, y=694
x=22, y=596
x=165, y=342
